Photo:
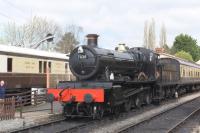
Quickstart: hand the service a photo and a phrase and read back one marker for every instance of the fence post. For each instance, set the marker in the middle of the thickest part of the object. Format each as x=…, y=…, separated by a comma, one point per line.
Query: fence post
x=34, y=94
x=3, y=108
x=51, y=107
x=21, y=107
x=1, y=104
x=36, y=97
x=13, y=107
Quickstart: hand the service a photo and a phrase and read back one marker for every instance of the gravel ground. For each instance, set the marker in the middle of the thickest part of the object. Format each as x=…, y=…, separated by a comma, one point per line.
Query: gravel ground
x=8, y=125
x=196, y=129
x=30, y=118
x=115, y=126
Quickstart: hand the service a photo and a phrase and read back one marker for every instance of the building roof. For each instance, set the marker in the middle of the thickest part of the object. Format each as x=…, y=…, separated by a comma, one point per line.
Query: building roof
x=32, y=52
x=198, y=62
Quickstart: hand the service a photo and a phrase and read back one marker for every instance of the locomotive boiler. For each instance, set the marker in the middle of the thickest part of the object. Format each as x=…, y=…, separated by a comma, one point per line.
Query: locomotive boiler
x=88, y=62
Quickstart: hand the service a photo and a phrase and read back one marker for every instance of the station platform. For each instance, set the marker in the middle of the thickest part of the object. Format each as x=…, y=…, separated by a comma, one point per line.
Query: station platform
x=57, y=108
x=32, y=115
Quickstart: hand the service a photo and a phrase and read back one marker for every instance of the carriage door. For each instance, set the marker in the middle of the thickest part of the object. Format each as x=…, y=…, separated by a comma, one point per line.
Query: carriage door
x=3, y=62
x=158, y=73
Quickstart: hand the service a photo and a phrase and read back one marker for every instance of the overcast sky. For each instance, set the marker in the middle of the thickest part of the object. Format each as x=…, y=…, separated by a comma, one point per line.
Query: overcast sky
x=116, y=21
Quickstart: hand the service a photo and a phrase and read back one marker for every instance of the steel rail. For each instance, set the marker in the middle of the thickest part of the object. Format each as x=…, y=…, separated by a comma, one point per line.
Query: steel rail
x=38, y=126
x=178, y=125
x=126, y=128
x=55, y=123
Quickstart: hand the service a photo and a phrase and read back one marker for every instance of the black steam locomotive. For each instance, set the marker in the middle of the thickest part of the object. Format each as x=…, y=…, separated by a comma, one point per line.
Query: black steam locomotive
x=109, y=81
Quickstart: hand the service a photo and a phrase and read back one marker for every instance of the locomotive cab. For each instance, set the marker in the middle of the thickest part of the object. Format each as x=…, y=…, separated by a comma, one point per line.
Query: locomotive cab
x=147, y=61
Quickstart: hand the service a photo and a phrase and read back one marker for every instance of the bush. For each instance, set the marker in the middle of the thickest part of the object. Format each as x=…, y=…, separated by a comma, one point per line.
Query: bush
x=184, y=55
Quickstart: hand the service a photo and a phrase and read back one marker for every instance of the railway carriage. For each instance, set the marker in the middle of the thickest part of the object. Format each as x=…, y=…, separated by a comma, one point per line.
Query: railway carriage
x=176, y=75
x=187, y=71
x=23, y=68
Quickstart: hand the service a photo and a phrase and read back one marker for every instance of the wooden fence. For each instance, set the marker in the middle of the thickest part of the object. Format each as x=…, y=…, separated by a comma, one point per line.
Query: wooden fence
x=28, y=98
x=19, y=100
x=7, y=108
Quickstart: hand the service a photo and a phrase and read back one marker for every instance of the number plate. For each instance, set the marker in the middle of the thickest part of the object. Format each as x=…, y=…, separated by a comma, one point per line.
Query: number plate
x=82, y=56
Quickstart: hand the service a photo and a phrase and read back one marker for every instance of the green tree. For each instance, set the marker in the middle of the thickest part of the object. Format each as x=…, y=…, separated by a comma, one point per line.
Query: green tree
x=188, y=44
x=167, y=48
x=69, y=40
x=184, y=55
x=67, y=43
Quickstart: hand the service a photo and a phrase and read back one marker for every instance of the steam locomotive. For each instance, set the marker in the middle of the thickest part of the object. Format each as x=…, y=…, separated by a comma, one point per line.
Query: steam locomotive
x=114, y=80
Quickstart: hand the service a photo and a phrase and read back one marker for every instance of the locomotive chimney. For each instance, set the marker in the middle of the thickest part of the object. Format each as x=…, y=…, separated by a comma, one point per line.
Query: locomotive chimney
x=92, y=40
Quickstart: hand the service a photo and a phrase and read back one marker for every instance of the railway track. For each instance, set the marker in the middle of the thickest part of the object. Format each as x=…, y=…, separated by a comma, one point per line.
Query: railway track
x=188, y=123
x=88, y=125
x=57, y=126
x=167, y=121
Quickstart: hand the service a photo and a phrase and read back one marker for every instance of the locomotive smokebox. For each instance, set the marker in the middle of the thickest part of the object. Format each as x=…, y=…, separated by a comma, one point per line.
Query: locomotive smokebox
x=92, y=40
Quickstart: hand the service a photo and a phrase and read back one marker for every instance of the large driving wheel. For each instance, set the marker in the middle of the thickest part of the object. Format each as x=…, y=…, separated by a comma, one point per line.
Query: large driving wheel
x=148, y=98
x=116, y=111
x=138, y=102
x=127, y=105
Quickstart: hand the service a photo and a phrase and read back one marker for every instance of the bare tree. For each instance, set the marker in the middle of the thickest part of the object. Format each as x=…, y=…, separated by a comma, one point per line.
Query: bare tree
x=10, y=32
x=146, y=30
x=163, y=38
x=31, y=32
x=149, y=34
x=152, y=36
x=70, y=39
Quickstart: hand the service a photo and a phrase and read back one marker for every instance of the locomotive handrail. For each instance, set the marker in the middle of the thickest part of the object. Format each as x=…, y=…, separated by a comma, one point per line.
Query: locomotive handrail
x=101, y=55
x=60, y=94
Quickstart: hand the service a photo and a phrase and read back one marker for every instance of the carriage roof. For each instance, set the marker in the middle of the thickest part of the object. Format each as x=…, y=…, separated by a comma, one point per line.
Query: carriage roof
x=31, y=52
x=180, y=60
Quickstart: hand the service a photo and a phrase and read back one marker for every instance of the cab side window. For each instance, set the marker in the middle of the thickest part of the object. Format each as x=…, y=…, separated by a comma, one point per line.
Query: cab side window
x=40, y=66
x=9, y=65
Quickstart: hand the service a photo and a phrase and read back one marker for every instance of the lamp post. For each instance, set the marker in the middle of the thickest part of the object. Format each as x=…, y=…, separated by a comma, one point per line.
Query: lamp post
x=49, y=38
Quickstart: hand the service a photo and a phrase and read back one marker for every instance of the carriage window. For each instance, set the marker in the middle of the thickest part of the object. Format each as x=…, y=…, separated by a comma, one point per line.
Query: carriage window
x=40, y=66
x=49, y=65
x=9, y=64
x=45, y=67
